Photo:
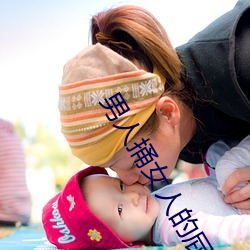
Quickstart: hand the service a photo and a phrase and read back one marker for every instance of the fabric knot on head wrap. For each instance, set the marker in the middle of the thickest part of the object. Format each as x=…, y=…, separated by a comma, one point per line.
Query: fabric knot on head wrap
x=94, y=75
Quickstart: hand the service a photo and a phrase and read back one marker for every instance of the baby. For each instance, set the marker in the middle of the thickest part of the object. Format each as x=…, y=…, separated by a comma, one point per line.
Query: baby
x=96, y=211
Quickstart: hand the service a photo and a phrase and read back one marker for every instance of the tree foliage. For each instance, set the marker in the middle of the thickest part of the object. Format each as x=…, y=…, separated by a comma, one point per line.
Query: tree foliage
x=45, y=150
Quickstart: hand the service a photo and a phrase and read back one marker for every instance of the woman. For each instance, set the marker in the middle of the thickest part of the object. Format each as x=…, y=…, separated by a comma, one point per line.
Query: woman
x=15, y=198
x=206, y=96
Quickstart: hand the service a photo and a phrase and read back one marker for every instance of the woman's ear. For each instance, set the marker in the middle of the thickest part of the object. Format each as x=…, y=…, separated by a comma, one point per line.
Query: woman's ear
x=168, y=109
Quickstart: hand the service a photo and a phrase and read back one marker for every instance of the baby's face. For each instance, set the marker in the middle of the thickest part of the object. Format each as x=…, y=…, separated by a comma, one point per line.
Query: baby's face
x=130, y=211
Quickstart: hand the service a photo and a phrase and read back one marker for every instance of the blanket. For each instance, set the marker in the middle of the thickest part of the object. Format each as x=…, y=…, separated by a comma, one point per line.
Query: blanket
x=33, y=237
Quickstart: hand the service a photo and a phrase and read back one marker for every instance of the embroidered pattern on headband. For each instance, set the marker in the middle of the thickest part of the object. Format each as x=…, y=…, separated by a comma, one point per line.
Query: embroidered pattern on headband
x=71, y=201
x=84, y=97
x=60, y=224
x=94, y=235
x=79, y=102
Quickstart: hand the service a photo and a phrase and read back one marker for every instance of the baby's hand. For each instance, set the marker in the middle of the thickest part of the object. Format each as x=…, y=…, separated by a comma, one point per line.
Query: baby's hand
x=240, y=198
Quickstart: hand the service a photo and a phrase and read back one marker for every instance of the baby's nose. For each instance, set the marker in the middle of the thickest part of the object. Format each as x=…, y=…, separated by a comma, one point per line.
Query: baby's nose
x=133, y=197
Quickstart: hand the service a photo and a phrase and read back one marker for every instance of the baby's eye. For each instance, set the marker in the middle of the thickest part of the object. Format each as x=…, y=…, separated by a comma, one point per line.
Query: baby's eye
x=121, y=186
x=120, y=206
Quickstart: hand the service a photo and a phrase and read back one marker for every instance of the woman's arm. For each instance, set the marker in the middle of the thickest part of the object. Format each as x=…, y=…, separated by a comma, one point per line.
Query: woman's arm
x=240, y=198
x=233, y=175
x=231, y=162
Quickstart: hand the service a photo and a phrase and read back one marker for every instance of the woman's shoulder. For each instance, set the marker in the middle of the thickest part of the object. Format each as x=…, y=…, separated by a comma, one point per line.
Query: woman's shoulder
x=209, y=65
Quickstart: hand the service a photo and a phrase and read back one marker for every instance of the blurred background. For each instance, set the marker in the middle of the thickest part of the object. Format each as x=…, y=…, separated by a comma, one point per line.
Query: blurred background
x=36, y=39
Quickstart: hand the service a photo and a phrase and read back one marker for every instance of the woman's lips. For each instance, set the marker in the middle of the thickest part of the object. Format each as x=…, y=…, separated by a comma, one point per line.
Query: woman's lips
x=147, y=183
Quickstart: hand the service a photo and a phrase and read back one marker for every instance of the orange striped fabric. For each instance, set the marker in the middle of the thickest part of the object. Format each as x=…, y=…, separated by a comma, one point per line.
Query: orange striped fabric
x=84, y=121
x=83, y=117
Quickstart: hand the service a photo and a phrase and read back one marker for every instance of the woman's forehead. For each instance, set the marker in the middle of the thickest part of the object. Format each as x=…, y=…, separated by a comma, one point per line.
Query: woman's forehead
x=118, y=159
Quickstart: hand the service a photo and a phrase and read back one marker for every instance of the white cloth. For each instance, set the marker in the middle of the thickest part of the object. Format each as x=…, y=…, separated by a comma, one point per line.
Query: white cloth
x=220, y=222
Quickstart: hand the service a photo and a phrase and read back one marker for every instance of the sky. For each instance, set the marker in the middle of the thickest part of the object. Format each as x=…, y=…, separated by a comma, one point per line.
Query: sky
x=38, y=37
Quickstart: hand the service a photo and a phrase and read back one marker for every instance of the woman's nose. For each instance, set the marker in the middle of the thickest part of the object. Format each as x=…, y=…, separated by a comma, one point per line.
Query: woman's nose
x=127, y=177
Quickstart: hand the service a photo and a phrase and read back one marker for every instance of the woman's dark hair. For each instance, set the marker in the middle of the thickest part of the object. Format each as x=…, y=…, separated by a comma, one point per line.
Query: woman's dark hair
x=137, y=35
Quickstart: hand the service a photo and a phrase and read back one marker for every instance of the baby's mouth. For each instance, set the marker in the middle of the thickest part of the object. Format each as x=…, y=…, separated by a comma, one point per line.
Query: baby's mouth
x=147, y=203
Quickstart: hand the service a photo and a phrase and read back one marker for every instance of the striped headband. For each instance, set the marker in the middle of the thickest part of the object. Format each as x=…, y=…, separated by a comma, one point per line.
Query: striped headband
x=99, y=75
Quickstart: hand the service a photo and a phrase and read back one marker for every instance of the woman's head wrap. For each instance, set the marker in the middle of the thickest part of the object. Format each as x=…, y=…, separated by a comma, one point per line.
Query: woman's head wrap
x=99, y=75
